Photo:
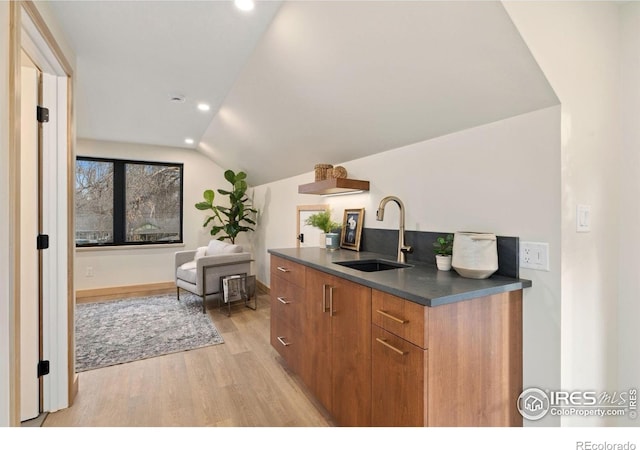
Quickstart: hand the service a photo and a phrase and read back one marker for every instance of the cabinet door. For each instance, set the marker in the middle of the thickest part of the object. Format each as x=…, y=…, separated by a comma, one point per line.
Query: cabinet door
x=398, y=397
x=315, y=368
x=350, y=313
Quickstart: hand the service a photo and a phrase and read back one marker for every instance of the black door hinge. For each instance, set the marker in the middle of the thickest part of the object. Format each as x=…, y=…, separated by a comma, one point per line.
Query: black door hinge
x=43, y=368
x=42, y=242
x=43, y=114
x=301, y=237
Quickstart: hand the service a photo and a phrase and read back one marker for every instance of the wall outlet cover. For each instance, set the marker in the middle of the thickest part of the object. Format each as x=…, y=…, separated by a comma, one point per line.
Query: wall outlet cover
x=534, y=255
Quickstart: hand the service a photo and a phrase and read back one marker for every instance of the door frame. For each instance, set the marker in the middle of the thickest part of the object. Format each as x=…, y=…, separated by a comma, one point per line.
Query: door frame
x=25, y=20
x=31, y=258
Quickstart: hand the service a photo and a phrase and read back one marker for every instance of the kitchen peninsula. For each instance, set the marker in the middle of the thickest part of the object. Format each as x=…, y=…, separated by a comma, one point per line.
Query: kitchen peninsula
x=409, y=346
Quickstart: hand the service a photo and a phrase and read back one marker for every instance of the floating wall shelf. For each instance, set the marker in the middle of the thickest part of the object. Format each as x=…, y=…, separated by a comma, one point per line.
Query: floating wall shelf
x=333, y=186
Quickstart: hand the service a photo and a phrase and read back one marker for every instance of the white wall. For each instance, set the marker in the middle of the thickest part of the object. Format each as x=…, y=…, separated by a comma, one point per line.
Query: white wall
x=122, y=266
x=276, y=223
x=577, y=47
x=503, y=177
x=629, y=306
x=5, y=258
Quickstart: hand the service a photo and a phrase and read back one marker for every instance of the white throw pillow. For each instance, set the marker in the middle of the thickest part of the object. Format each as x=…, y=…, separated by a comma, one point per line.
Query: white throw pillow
x=200, y=252
x=217, y=247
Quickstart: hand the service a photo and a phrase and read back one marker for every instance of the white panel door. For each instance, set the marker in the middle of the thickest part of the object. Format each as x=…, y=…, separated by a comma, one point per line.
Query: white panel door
x=309, y=236
x=29, y=264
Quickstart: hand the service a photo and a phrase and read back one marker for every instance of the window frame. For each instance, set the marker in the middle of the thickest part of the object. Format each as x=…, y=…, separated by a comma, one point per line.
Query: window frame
x=120, y=202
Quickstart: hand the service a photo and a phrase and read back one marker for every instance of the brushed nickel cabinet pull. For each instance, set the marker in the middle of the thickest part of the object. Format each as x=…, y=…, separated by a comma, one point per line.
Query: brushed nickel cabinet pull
x=283, y=300
x=331, y=301
x=386, y=314
x=283, y=269
x=282, y=341
x=386, y=344
x=324, y=298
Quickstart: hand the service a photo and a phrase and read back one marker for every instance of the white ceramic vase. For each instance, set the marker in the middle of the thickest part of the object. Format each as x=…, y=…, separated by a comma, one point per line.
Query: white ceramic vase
x=443, y=262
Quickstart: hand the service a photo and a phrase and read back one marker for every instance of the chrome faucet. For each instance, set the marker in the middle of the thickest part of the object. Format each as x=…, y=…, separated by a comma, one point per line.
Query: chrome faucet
x=402, y=248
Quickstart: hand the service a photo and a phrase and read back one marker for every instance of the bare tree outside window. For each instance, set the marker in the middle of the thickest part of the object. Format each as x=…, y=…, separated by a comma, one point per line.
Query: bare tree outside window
x=122, y=202
x=94, y=202
x=153, y=203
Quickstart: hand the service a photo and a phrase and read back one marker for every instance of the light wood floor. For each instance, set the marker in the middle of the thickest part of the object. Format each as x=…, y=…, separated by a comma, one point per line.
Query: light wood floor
x=239, y=383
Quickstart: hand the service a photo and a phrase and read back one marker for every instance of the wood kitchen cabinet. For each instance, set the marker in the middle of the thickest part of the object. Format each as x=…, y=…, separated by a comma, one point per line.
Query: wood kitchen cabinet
x=287, y=310
x=399, y=362
x=372, y=358
x=397, y=379
x=337, y=364
x=464, y=367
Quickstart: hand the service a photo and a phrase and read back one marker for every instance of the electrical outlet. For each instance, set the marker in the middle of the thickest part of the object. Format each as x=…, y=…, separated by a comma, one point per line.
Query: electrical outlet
x=88, y=272
x=534, y=255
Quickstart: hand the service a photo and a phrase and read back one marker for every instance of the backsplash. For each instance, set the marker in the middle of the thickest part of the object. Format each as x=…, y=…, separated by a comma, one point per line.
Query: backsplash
x=386, y=242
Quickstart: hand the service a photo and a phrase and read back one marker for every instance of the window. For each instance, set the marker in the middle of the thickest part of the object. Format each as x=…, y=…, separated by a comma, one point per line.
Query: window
x=120, y=202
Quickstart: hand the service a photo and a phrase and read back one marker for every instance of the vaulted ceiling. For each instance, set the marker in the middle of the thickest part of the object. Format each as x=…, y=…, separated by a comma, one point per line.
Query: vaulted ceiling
x=292, y=84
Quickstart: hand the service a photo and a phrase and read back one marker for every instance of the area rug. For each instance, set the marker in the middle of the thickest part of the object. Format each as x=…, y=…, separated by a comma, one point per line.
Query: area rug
x=121, y=331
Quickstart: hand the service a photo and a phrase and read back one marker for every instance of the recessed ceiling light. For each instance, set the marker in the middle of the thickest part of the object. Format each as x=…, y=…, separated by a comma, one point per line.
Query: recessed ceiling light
x=203, y=107
x=188, y=141
x=244, y=5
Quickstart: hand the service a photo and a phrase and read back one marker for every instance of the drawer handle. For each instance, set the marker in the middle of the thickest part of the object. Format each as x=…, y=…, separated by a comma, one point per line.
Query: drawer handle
x=331, y=311
x=386, y=344
x=324, y=298
x=386, y=314
x=283, y=300
x=282, y=341
x=283, y=269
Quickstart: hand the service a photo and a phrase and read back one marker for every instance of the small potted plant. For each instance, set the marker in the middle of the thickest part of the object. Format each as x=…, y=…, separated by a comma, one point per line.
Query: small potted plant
x=322, y=221
x=443, y=247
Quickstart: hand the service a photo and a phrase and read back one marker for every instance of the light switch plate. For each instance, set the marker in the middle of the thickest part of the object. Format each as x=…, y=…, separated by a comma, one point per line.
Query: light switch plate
x=583, y=218
x=534, y=255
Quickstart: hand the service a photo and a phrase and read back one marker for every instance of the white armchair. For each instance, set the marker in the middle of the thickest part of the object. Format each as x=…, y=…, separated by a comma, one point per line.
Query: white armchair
x=199, y=271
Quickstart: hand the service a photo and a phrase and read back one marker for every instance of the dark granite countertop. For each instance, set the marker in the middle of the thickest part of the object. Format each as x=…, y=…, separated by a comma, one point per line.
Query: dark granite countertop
x=421, y=283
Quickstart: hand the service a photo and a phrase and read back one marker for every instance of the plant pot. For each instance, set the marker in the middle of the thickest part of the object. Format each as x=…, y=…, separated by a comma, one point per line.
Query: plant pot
x=333, y=241
x=443, y=262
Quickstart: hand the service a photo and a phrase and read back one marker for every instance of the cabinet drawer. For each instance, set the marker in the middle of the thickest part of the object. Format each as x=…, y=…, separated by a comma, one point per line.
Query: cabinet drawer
x=398, y=381
x=287, y=270
x=287, y=342
x=400, y=317
x=287, y=301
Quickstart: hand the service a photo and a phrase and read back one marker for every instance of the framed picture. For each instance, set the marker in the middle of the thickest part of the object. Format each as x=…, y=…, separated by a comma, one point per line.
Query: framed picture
x=352, y=229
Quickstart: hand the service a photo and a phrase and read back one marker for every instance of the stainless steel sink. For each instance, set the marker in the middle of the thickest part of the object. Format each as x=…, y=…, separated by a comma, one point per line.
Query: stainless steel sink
x=372, y=265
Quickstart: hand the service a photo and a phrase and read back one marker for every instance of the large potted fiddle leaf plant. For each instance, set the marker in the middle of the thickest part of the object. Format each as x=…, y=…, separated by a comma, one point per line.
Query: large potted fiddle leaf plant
x=234, y=219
